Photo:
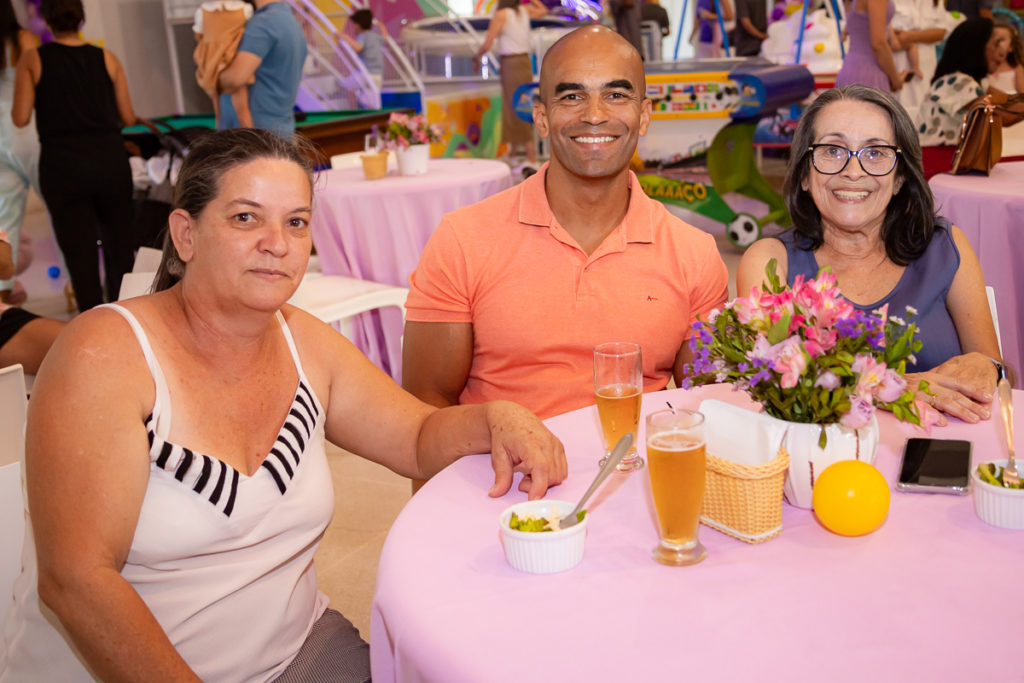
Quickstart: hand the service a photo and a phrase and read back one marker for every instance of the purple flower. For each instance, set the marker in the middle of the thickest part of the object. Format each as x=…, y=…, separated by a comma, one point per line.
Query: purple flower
x=758, y=377
x=743, y=367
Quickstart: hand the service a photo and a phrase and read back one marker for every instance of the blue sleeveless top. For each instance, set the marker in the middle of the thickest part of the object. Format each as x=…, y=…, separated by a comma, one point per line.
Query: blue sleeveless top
x=923, y=285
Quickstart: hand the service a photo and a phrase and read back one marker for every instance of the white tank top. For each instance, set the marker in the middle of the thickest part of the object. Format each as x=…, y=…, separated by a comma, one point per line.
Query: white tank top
x=514, y=38
x=224, y=561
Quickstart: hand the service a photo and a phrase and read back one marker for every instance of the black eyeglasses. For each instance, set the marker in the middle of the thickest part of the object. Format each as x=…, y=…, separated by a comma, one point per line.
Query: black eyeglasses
x=876, y=160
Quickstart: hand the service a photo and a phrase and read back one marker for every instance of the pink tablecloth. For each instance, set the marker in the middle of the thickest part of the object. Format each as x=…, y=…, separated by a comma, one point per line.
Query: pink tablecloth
x=990, y=211
x=917, y=600
x=375, y=230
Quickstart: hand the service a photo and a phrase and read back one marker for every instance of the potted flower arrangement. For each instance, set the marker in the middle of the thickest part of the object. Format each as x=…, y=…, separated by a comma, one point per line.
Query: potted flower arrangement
x=410, y=137
x=811, y=359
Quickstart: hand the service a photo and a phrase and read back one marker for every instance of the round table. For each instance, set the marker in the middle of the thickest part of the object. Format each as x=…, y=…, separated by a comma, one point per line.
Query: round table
x=919, y=599
x=376, y=229
x=990, y=211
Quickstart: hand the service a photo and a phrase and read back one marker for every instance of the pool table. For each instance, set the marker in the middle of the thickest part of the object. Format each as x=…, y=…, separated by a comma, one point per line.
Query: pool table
x=334, y=132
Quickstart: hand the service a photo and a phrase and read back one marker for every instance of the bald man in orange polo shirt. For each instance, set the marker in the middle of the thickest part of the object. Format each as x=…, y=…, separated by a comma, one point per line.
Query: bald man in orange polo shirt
x=512, y=294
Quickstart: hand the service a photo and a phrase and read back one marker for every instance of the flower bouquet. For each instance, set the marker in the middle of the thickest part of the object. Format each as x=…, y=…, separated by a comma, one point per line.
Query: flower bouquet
x=403, y=131
x=807, y=355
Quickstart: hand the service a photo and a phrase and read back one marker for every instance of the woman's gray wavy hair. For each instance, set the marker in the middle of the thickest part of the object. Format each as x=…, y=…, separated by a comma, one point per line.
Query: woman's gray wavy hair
x=209, y=158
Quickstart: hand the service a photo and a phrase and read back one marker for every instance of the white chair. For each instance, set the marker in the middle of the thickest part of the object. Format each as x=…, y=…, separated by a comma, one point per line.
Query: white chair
x=147, y=260
x=12, y=503
x=135, y=284
x=336, y=298
x=991, y=293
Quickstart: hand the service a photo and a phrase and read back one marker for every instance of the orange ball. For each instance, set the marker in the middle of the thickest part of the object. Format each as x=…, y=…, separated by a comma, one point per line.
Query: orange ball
x=851, y=498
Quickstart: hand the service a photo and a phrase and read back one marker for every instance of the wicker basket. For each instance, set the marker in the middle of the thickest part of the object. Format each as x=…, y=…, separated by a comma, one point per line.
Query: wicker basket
x=745, y=501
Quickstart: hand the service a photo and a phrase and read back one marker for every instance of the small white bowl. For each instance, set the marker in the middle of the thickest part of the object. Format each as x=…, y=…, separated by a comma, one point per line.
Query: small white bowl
x=542, y=552
x=996, y=505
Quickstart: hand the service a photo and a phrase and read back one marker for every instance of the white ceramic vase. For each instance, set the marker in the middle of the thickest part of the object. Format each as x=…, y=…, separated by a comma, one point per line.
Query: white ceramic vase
x=412, y=160
x=807, y=460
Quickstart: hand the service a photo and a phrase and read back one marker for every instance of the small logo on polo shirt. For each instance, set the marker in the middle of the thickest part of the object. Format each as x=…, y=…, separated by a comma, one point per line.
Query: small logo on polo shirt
x=652, y=298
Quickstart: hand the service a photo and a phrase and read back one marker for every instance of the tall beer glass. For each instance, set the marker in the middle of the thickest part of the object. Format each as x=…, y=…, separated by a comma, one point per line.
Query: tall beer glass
x=675, y=463
x=618, y=383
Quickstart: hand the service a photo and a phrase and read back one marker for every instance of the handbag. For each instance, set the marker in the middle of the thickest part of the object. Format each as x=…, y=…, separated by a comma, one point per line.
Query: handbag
x=981, y=140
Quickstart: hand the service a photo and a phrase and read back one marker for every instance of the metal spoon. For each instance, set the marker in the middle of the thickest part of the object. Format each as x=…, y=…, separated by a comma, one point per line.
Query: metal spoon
x=609, y=464
x=1011, y=477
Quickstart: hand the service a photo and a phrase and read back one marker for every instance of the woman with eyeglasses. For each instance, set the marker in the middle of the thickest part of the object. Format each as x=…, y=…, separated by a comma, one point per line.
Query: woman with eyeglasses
x=860, y=206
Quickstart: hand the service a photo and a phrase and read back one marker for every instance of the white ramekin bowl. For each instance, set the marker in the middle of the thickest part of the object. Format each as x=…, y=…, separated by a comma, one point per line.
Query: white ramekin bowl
x=542, y=552
x=996, y=505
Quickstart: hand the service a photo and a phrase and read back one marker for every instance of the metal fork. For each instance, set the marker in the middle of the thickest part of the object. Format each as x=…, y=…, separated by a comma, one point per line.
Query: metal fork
x=1011, y=477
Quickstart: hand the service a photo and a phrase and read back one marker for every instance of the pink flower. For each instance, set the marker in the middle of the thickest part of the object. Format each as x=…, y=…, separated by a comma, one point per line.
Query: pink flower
x=859, y=415
x=819, y=341
x=748, y=312
x=827, y=380
x=891, y=387
x=929, y=416
x=870, y=374
x=788, y=356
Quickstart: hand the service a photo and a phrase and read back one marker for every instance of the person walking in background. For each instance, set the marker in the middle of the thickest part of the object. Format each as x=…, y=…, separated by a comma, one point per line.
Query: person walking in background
x=218, y=27
x=81, y=102
x=270, y=57
x=869, y=60
x=751, y=24
x=627, y=21
x=510, y=28
x=708, y=30
x=19, y=150
x=368, y=45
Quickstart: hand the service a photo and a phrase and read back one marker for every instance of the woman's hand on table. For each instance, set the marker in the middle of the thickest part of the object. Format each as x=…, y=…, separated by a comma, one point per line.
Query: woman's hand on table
x=963, y=387
x=521, y=443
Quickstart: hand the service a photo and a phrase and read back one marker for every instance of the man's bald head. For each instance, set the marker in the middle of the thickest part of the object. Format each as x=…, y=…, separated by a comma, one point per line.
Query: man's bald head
x=590, y=40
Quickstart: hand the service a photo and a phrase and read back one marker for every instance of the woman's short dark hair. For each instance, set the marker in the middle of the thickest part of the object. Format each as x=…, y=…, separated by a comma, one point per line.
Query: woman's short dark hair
x=211, y=156
x=363, y=18
x=965, y=50
x=910, y=218
x=62, y=16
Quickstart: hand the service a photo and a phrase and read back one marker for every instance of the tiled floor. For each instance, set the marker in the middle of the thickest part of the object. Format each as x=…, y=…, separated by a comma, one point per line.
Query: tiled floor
x=368, y=497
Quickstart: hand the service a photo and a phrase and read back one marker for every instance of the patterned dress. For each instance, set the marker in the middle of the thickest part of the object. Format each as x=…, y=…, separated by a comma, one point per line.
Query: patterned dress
x=942, y=113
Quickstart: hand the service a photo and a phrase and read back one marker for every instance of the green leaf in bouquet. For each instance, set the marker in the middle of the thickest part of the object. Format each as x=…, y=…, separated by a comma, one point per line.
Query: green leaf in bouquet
x=780, y=330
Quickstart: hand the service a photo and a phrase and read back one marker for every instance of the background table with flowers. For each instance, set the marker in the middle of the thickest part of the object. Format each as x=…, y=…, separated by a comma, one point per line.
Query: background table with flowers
x=376, y=230
x=917, y=600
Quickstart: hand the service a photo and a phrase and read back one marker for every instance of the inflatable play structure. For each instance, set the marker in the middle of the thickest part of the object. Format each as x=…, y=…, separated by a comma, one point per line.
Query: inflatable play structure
x=699, y=147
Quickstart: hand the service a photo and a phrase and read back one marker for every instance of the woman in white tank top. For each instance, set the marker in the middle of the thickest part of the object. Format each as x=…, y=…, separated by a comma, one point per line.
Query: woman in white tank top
x=175, y=462
x=510, y=29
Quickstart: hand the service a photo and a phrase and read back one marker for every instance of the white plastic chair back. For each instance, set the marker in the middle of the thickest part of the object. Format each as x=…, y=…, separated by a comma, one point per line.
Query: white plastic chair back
x=991, y=293
x=147, y=260
x=135, y=284
x=12, y=503
x=336, y=298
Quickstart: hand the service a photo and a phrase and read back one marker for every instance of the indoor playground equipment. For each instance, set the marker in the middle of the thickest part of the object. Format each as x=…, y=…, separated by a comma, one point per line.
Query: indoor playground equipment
x=699, y=146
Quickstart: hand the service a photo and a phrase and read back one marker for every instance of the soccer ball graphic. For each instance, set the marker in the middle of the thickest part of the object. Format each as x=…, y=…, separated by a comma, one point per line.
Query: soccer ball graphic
x=743, y=231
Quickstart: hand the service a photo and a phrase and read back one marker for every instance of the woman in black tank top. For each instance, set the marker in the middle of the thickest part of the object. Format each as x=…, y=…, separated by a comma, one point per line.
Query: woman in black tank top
x=81, y=101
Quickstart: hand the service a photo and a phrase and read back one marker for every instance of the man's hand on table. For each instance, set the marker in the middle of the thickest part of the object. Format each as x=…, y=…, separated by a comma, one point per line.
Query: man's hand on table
x=963, y=387
x=521, y=443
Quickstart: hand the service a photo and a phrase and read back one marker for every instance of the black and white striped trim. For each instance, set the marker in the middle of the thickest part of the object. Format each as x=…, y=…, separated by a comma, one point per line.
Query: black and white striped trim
x=217, y=481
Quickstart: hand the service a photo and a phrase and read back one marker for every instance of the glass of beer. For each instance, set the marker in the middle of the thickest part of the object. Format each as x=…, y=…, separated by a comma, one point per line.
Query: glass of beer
x=618, y=383
x=675, y=463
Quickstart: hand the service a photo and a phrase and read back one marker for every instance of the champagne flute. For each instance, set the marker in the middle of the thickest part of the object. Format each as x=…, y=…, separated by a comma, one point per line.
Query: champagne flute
x=618, y=384
x=675, y=464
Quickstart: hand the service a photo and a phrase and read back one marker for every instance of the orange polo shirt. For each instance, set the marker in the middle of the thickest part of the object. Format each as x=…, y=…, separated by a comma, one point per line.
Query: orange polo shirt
x=539, y=304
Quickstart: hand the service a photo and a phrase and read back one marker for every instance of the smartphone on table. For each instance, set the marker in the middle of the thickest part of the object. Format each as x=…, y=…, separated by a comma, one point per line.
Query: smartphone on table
x=935, y=466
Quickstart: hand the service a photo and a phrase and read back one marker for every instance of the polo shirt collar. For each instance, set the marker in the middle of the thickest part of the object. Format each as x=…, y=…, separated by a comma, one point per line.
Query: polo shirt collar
x=534, y=208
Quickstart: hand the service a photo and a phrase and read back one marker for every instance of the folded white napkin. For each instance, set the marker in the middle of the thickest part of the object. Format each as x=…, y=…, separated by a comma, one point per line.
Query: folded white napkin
x=740, y=435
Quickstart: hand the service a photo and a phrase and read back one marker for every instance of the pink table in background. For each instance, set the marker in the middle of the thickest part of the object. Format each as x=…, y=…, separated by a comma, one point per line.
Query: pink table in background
x=917, y=600
x=375, y=230
x=990, y=211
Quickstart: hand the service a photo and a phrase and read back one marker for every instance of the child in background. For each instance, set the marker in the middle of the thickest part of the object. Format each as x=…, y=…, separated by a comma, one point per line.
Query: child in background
x=219, y=27
x=367, y=44
x=1009, y=76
